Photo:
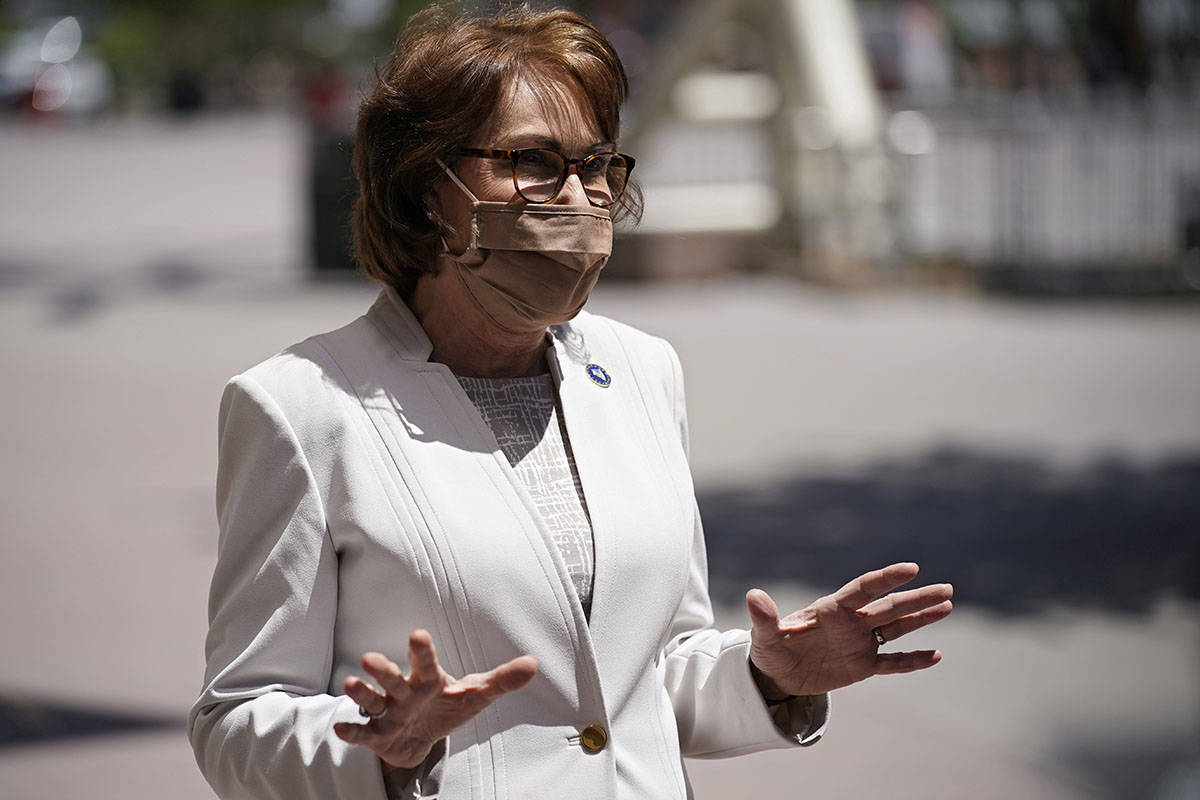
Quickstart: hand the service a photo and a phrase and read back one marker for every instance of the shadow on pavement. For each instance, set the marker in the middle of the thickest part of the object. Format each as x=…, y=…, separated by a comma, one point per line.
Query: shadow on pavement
x=1013, y=534
x=25, y=721
x=1139, y=770
x=71, y=298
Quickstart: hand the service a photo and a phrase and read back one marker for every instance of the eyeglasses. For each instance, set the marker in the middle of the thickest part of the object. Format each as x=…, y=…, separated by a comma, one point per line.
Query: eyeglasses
x=540, y=174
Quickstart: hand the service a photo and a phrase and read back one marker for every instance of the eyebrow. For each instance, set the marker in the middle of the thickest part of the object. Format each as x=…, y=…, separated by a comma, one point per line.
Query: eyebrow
x=550, y=142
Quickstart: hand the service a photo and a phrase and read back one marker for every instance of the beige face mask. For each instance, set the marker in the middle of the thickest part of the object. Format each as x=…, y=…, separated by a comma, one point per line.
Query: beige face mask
x=531, y=266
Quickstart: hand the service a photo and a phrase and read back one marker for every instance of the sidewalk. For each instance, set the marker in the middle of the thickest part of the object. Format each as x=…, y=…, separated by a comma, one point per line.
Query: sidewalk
x=111, y=536
x=117, y=335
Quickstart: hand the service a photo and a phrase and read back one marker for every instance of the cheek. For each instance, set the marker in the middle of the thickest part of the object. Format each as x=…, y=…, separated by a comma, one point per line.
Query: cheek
x=498, y=185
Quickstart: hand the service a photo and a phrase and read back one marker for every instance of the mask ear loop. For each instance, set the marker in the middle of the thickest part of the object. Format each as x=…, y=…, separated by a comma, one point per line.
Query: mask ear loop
x=456, y=180
x=441, y=236
x=466, y=191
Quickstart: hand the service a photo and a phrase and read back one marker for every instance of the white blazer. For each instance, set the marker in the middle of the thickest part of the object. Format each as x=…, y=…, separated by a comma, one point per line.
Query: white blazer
x=360, y=495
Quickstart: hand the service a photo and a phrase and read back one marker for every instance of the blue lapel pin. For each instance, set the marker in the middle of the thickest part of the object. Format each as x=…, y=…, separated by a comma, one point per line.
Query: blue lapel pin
x=599, y=376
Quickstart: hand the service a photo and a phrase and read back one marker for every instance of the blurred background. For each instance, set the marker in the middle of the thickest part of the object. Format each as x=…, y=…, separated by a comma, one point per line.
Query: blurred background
x=952, y=248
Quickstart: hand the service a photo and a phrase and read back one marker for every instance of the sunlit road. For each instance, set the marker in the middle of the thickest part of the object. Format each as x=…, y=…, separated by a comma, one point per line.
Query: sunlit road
x=143, y=264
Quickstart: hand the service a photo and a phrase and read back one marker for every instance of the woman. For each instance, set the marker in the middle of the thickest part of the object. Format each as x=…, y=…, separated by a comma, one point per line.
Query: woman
x=478, y=467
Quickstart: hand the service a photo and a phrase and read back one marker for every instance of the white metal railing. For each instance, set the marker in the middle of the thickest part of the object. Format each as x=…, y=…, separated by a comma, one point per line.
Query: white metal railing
x=1114, y=183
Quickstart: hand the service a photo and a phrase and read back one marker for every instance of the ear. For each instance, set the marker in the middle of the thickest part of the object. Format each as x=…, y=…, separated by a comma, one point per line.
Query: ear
x=435, y=201
x=432, y=203
x=433, y=207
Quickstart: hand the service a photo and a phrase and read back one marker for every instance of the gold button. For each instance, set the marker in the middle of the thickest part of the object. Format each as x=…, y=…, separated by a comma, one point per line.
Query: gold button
x=593, y=738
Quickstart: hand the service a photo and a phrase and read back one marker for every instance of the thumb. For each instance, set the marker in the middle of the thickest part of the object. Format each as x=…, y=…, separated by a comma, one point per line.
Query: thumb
x=764, y=614
x=513, y=675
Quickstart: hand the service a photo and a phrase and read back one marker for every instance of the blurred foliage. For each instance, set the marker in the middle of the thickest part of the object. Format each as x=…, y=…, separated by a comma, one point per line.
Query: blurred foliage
x=128, y=41
x=247, y=52
x=145, y=42
x=242, y=51
x=149, y=44
x=8, y=26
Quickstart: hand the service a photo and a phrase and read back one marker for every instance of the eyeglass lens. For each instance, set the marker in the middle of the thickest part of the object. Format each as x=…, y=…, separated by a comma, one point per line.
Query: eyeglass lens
x=540, y=174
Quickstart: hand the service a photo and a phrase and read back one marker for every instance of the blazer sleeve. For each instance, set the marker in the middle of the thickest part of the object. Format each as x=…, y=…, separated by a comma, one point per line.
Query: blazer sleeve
x=718, y=708
x=263, y=726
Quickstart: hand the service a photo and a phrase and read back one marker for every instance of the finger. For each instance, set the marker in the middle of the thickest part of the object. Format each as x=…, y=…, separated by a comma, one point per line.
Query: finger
x=764, y=615
x=897, y=663
x=422, y=657
x=387, y=674
x=509, y=677
x=865, y=588
x=910, y=623
x=515, y=674
x=505, y=678
x=356, y=734
x=366, y=696
x=899, y=604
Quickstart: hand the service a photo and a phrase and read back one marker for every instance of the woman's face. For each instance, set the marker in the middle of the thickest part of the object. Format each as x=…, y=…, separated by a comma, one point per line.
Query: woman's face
x=542, y=113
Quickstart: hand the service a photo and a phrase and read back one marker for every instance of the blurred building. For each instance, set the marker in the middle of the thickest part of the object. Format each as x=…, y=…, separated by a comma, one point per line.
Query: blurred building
x=1042, y=145
x=1030, y=144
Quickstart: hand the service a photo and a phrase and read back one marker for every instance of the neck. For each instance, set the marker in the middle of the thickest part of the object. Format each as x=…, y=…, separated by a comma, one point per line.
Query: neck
x=463, y=337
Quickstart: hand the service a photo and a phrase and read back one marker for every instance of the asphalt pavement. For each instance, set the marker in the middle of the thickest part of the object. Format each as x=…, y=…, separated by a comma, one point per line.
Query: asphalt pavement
x=1043, y=457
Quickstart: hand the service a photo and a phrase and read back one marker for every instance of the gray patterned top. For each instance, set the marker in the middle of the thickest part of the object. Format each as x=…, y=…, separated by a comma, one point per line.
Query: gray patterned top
x=524, y=416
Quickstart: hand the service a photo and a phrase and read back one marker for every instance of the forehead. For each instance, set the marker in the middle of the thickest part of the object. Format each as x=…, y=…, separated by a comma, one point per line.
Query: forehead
x=536, y=105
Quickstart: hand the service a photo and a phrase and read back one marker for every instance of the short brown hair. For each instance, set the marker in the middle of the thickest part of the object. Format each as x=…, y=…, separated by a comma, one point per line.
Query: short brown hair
x=448, y=73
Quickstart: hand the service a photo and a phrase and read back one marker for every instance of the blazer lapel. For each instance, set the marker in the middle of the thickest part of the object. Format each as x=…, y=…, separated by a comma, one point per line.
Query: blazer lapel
x=625, y=483
x=437, y=413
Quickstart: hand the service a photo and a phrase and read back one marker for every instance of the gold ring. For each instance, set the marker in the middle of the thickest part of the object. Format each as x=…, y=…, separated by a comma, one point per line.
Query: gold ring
x=363, y=712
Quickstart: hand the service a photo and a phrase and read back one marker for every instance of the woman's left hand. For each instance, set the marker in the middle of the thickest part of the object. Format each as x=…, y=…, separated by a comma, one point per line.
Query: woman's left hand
x=832, y=643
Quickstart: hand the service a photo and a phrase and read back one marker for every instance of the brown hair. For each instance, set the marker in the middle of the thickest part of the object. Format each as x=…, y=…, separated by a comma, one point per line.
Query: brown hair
x=447, y=74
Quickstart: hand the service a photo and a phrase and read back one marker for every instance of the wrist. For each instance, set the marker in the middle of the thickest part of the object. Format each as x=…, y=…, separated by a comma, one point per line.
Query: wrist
x=408, y=755
x=771, y=692
x=394, y=773
x=402, y=774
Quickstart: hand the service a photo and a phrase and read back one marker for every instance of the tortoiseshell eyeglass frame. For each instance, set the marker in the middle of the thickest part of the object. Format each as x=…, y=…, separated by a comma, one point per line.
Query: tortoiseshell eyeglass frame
x=576, y=164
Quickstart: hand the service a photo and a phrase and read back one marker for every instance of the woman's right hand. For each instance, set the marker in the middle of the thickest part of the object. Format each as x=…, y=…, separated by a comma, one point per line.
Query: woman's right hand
x=415, y=713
